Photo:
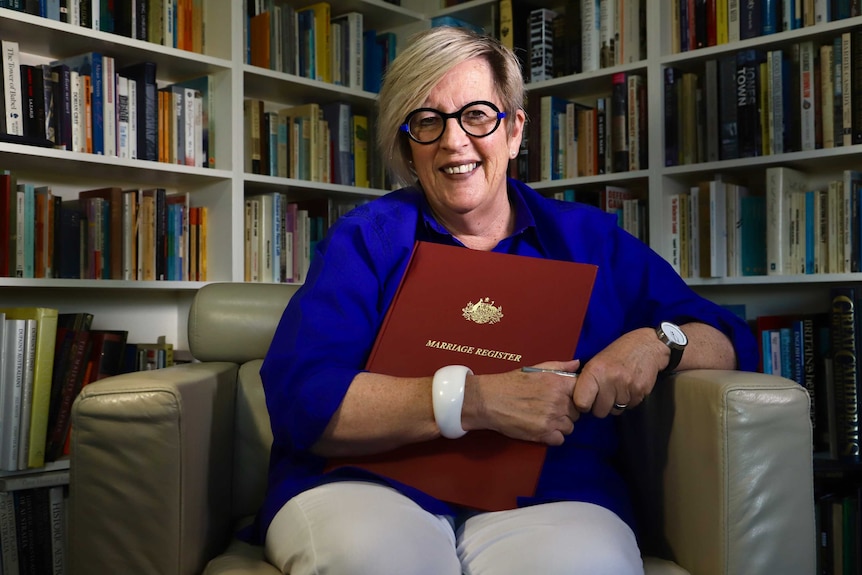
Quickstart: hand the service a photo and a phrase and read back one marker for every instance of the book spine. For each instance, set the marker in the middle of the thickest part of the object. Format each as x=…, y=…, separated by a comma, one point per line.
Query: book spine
x=590, y=35
x=748, y=116
x=8, y=534
x=843, y=318
x=12, y=88
x=807, y=95
x=13, y=393
x=71, y=378
x=619, y=123
x=57, y=510
x=541, y=45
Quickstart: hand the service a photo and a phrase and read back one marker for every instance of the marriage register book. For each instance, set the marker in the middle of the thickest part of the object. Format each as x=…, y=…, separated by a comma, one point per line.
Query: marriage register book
x=493, y=313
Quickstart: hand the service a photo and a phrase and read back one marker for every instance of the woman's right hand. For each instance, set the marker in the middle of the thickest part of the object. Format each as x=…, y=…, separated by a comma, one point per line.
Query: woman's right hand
x=533, y=406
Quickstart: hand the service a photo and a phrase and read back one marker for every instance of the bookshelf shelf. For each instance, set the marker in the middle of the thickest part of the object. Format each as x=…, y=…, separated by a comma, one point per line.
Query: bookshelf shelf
x=293, y=186
x=274, y=86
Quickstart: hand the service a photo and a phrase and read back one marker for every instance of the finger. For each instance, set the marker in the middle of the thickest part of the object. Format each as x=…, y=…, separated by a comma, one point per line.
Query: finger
x=585, y=393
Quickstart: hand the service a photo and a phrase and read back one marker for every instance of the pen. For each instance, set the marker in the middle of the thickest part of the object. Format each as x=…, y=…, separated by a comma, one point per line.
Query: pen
x=529, y=369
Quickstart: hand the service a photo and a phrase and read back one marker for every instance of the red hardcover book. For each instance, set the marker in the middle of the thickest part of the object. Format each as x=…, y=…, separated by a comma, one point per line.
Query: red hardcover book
x=493, y=313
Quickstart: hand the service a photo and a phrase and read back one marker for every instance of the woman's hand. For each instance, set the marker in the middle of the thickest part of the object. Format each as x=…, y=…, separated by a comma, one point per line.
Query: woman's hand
x=623, y=373
x=531, y=406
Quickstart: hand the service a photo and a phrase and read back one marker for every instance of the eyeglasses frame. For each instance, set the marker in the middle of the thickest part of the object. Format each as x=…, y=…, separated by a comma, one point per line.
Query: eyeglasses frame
x=405, y=127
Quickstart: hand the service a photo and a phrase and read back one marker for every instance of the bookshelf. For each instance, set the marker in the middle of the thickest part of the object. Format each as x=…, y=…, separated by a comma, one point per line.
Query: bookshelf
x=151, y=309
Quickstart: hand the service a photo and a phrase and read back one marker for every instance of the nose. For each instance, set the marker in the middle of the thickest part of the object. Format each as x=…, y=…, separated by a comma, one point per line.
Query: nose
x=453, y=136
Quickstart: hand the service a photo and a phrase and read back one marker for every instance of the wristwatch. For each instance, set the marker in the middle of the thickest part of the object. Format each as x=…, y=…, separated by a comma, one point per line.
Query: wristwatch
x=672, y=335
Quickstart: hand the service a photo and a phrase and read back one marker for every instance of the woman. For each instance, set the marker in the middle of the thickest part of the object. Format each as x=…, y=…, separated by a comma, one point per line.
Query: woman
x=450, y=119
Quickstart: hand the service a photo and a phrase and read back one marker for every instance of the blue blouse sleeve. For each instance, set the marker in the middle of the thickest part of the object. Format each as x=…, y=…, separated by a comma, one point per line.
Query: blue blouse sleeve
x=325, y=333
x=636, y=287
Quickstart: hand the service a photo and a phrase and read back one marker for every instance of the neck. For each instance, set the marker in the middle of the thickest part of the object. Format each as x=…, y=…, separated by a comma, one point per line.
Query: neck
x=480, y=231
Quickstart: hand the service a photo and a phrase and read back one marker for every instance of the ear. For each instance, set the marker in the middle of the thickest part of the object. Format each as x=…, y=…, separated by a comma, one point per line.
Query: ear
x=518, y=120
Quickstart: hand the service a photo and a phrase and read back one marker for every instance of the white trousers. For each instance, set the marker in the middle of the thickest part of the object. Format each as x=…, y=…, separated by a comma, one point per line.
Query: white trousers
x=360, y=528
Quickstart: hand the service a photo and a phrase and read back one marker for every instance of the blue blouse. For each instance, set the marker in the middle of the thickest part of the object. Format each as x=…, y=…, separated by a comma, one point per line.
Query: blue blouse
x=329, y=326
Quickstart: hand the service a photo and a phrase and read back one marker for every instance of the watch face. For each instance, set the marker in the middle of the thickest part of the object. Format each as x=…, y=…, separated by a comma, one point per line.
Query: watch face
x=674, y=333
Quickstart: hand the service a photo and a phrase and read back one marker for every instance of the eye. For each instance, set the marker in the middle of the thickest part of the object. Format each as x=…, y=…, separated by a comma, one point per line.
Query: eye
x=477, y=115
x=428, y=121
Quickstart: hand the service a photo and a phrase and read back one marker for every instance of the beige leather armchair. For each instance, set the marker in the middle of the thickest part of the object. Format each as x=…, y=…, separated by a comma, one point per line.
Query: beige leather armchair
x=166, y=464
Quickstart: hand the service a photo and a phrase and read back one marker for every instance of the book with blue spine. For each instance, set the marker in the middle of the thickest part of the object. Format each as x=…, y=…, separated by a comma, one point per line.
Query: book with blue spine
x=92, y=64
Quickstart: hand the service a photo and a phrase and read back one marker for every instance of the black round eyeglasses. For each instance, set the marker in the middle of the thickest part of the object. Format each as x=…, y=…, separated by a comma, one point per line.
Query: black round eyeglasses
x=477, y=119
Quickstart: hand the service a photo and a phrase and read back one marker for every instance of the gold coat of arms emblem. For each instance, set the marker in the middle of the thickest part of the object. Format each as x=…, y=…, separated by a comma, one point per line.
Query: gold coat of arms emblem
x=483, y=311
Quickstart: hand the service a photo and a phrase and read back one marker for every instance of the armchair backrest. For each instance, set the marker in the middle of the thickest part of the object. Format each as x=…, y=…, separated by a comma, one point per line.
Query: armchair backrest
x=235, y=323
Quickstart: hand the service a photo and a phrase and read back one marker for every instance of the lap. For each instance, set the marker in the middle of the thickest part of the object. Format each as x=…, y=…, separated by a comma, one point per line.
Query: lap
x=358, y=527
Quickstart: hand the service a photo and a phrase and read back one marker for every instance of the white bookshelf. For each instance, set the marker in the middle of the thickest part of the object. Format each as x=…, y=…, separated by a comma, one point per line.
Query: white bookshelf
x=151, y=309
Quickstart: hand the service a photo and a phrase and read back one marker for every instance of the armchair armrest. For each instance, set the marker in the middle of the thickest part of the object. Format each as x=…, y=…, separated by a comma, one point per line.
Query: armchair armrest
x=731, y=454
x=150, y=481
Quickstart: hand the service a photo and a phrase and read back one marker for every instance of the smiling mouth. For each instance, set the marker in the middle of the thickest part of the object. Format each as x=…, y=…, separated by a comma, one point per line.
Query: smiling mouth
x=462, y=169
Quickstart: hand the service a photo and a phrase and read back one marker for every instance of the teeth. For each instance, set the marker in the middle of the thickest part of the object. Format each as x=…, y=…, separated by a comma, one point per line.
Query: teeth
x=462, y=169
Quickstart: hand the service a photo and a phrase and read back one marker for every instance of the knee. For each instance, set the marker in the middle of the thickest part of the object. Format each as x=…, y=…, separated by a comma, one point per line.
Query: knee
x=361, y=546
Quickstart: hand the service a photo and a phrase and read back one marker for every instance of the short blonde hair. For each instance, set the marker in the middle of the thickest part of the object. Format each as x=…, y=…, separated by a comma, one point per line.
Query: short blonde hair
x=429, y=56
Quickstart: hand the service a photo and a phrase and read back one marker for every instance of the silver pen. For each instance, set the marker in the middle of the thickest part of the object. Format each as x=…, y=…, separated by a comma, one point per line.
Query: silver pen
x=530, y=369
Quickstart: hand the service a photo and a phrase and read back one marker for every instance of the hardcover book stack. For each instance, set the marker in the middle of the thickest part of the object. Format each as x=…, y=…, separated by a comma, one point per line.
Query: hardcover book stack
x=800, y=97
x=701, y=24
x=820, y=351
x=104, y=233
x=567, y=138
x=313, y=43
x=580, y=36
x=280, y=236
x=84, y=103
x=172, y=23
x=46, y=358
x=314, y=142
x=717, y=230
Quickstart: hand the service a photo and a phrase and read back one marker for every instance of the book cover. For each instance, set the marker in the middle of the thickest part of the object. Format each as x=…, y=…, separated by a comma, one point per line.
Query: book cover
x=476, y=317
x=46, y=334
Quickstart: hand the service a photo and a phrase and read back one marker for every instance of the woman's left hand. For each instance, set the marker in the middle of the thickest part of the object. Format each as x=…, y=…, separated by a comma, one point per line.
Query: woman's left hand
x=623, y=373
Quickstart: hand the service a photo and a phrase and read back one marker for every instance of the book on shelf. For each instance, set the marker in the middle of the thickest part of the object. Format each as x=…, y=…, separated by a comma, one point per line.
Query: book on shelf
x=17, y=352
x=71, y=354
x=479, y=321
x=339, y=117
x=845, y=366
x=12, y=88
x=103, y=127
x=315, y=19
x=146, y=356
x=45, y=322
x=541, y=44
x=781, y=183
x=30, y=525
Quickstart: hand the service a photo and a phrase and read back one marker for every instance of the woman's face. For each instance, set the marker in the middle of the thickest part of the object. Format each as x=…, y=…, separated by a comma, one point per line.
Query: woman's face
x=462, y=173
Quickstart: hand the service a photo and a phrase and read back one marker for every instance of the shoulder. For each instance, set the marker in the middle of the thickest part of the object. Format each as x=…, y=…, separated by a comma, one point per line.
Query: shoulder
x=378, y=231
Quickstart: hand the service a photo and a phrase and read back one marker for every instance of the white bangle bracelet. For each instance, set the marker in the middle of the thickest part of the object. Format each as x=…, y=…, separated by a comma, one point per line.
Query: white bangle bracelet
x=447, y=393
